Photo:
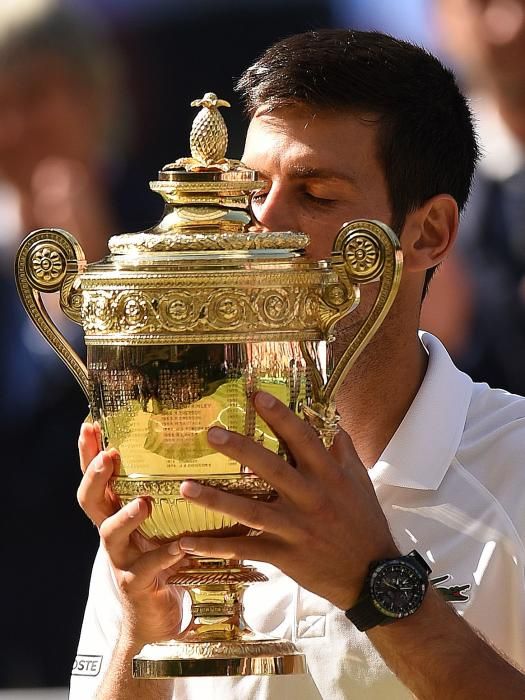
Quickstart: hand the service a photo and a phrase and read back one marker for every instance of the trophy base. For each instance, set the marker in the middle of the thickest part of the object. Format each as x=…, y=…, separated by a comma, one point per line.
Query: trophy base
x=217, y=641
x=238, y=658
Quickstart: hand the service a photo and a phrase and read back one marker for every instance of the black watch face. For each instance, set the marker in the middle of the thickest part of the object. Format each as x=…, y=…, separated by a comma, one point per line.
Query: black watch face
x=397, y=588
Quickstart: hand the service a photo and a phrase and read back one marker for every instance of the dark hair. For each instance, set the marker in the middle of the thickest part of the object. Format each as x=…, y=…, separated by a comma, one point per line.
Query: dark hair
x=426, y=140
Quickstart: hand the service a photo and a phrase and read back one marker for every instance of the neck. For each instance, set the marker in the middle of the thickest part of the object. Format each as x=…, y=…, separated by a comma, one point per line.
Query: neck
x=379, y=390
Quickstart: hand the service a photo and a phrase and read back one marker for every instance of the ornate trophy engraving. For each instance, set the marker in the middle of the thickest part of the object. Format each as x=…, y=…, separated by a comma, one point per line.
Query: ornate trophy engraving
x=183, y=323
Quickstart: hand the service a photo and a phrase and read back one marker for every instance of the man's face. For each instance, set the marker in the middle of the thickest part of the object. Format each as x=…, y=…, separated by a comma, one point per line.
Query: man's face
x=321, y=169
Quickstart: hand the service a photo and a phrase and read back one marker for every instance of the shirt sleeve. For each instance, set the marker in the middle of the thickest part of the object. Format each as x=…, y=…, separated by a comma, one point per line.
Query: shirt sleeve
x=99, y=633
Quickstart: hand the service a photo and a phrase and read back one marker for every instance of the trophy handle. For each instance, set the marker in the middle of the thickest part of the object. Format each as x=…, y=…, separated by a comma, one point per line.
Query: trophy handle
x=363, y=252
x=51, y=260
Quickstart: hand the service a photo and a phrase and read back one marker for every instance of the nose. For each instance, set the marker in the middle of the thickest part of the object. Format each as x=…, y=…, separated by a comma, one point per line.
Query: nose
x=275, y=211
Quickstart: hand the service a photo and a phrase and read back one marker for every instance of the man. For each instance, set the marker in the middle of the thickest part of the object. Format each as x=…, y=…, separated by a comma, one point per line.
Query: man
x=349, y=125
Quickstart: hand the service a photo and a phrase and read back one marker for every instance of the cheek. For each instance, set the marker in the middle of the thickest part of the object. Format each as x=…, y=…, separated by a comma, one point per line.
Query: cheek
x=322, y=231
x=320, y=249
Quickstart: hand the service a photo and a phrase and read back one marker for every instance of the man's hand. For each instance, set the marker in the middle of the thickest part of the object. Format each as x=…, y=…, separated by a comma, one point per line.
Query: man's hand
x=151, y=608
x=326, y=525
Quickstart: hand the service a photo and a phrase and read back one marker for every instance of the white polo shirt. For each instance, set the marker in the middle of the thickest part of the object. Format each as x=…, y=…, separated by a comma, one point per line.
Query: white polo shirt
x=452, y=485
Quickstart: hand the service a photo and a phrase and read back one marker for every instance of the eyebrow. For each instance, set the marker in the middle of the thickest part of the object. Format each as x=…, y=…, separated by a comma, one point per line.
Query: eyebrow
x=301, y=172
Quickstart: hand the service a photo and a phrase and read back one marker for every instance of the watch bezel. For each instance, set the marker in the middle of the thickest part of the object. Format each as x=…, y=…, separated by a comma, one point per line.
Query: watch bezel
x=418, y=592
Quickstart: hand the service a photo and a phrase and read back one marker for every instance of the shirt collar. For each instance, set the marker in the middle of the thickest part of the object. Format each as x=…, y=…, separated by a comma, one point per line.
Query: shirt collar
x=423, y=446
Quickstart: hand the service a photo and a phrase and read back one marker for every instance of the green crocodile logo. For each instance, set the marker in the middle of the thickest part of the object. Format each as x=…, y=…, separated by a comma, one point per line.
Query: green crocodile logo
x=452, y=594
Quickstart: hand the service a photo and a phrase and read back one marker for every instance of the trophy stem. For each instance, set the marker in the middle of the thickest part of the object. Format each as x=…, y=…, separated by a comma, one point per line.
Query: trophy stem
x=216, y=588
x=218, y=641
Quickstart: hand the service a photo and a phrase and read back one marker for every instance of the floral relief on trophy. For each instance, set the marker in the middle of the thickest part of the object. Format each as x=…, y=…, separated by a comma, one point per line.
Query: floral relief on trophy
x=364, y=256
x=47, y=263
x=276, y=305
x=71, y=298
x=132, y=311
x=227, y=308
x=295, y=308
x=177, y=310
x=97, y=310
x=335, y=295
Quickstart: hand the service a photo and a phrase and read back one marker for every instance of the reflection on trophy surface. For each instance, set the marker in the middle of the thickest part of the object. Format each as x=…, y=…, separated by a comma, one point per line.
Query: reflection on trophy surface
x=183, y=323
x=156, y=403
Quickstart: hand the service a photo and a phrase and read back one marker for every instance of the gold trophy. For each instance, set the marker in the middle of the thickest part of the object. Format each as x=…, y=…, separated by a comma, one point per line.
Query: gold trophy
x=183, y=323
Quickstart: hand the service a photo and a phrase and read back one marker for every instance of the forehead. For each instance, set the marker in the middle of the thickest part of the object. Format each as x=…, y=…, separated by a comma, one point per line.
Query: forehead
x=302, y=137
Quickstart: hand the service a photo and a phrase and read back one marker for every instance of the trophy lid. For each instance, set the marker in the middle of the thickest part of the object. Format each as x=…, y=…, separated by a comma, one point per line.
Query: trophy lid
x=207, y=198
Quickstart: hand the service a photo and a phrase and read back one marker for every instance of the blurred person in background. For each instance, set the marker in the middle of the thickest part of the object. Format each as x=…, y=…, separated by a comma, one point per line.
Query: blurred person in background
x=476, y=304
x=58, y=92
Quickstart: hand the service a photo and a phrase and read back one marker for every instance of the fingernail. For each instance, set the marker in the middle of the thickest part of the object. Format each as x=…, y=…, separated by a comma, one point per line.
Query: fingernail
x=102, y=464
x=188, y=545
x=134, y=508
x=218, y=436
x=192, y=489
x=174, y=549
x=98, y=434
x=115, y=458
x=265, y=400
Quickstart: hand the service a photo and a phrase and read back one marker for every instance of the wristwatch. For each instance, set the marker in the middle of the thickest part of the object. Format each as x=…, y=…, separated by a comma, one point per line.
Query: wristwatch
x=394, y=588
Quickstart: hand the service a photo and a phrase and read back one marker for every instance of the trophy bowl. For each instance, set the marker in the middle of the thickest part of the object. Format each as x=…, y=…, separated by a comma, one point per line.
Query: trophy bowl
x=183, y=323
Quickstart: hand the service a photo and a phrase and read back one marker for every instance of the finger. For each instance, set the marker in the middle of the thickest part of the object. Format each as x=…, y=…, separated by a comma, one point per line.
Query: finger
x=116, y=530
x=144, y=571
x=344, y=452
x=88, y=444
x=92, y=492
x=284, y=478
x=256, y=548
x=300, y=438
x=247, y=511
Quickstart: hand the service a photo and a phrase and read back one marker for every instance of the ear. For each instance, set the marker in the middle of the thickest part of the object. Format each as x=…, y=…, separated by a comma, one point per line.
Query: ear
x=429, y=233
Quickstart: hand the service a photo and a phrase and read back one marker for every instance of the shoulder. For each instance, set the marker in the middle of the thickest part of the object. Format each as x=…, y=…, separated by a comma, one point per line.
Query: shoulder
x=492, y=448
x=494, y=417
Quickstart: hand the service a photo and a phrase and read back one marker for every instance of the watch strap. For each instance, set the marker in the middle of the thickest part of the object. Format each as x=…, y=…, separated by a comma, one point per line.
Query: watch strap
x=418, y=560
x=365, y=615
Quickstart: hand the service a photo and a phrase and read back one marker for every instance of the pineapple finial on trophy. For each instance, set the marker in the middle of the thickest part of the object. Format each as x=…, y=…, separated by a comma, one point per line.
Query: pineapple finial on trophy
x=208, y=139
x=209, y=135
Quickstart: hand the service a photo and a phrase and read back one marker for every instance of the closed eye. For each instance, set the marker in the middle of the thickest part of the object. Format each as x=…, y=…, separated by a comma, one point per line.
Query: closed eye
x=318, y=201
x=259, y=198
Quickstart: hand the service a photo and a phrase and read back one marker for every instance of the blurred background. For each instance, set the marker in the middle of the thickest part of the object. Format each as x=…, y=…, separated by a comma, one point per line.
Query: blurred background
x=94, y=100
